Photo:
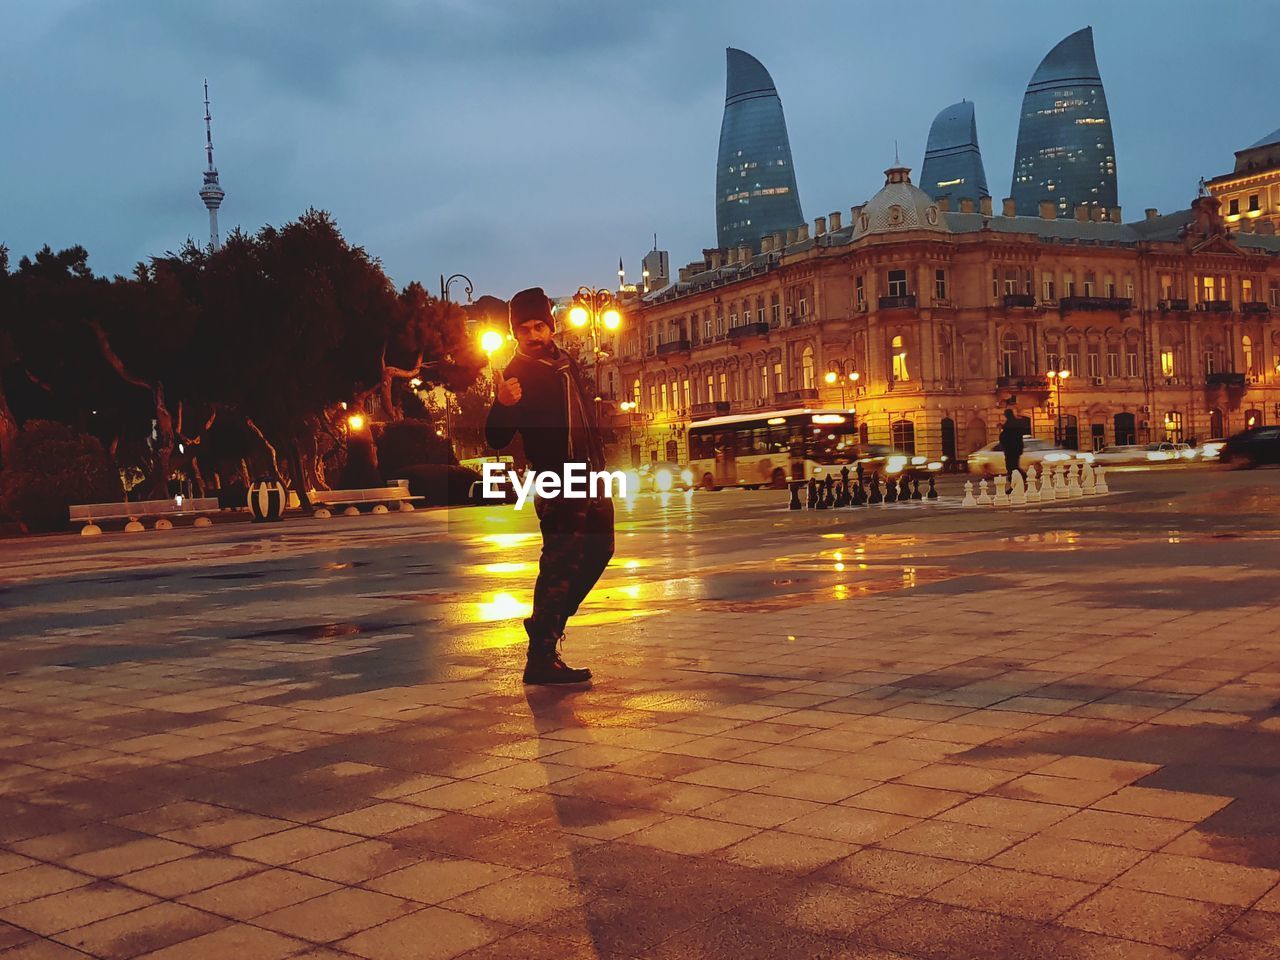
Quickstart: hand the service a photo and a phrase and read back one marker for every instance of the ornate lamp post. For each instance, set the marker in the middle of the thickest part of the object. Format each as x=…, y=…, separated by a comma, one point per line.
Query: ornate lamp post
x=842, y=372
x=1056, y=380
x=445, y=284
x=593, y=309
x=491, y=341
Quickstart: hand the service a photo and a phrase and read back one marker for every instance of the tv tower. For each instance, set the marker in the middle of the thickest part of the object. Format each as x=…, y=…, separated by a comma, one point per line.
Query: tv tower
x=211, y=193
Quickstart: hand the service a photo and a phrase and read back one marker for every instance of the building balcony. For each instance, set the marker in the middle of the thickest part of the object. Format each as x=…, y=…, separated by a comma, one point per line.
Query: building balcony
x=714, y=408
x=1022, y=383
x=747, y=330
x=1067, y=304
x=791, y=398
x=1215, y=306
x=1256, y=306
x=1173, y=306
x=673, y=346
x=1019, y=300
x=907, y=302
x=1234, y=380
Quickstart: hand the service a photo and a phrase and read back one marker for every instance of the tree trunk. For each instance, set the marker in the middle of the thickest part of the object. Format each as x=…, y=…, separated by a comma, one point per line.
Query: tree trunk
x=8, y=430
x=271, y=450
x=300, y=484
x=197, y=477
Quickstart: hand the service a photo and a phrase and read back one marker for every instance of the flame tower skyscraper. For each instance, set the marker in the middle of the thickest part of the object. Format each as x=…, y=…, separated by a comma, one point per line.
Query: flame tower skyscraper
x=755, y=180
x=211, y=193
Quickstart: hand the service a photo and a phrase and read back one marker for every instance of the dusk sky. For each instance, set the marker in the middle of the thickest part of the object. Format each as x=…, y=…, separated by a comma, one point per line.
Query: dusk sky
x=527, y=142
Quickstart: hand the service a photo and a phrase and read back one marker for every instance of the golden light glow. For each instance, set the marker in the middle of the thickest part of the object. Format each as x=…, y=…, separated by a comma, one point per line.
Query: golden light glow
x=612, y=319
x=578, y=316
x=502, y=606
x=827, y=418
x=855, y=376
x=507, y=539
x=504, y=567
x=830, y=377
x=355, y=421
x=490, y=341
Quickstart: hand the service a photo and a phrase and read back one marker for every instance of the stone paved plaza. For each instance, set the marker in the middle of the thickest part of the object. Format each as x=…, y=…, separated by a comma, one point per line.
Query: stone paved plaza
x=907, y=732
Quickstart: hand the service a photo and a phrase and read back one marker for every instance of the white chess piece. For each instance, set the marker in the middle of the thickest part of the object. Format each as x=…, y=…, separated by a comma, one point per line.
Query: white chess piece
x=984, y=497
x=1059, y=483
x=1001, y=498
x=968, y=500
x=1087, y=482
x=1100, y=481
x=1073, y=481
x=1019, y=496
x=1033, y=488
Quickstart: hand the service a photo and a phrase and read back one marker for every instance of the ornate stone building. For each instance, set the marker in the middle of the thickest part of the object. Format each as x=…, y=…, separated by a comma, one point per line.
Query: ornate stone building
x=1250, y=194
x=1169, y=325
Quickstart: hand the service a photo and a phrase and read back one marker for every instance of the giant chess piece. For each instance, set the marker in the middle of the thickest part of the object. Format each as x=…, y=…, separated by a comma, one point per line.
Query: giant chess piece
x=984, y=498
x=904, y=490
x=876, y=495
x=968, y=500
x=859, y=498
x=813, y=493
x=1059, y=483
x=842, y=498
x=1087, y=481
x=824, y=493
x=1033, y=488
x=795, y=495
x=1019, y=496
x=1073, y=482
x=933, y=491
x=1001, y=498
x=915, y=489
x=890, y=491
x=1100, y=481
x=858, y=468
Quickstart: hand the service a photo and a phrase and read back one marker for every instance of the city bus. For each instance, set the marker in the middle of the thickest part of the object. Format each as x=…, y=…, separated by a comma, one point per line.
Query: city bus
x=769, y=448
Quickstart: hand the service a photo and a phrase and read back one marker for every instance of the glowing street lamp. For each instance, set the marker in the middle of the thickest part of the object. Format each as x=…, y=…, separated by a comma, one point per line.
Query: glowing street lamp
x=1056, y=379
x=594, y=308
x=356, y=421
x=839, y=371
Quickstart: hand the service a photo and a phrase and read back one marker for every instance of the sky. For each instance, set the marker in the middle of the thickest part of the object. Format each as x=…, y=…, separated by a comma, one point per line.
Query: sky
x=533, y=142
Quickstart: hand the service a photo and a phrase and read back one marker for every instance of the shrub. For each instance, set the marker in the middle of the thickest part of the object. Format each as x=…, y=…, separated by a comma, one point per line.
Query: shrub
x=442, y=484
x=407, y=443
x=53, y=467
x=360, y=472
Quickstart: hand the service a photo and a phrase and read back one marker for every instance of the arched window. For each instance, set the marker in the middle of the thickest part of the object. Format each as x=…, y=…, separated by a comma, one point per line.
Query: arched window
x=899, y=351
x=904, y=436
x=1011, y=355
x=635, y=393
x=807, y=380
x=1246, y=348
x=1216, y=428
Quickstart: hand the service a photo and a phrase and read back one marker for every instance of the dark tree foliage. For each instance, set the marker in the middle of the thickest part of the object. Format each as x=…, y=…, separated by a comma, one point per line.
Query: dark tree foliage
x=222, y=366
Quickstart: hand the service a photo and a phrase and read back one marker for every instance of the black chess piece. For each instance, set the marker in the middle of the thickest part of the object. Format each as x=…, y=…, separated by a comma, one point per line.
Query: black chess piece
x=933, y=491
x=915, y=490
x=876, y=495
x=890, y=491
x=830, y=499
x=795, y=495
x=813, y=493
x=904, y=490
x=859, y=498
x=842, y=498
x=824, y=492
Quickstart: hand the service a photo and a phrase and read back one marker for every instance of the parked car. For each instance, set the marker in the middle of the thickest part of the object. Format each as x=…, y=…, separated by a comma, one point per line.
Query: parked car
x=989, y=460
x=1252, y=448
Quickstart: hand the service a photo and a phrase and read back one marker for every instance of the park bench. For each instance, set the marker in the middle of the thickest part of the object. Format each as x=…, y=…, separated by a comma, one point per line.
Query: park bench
x=135, y=511
x=397, y=493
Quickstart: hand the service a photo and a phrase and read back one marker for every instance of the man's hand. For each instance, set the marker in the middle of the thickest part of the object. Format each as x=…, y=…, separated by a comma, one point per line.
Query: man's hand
x=509, y=392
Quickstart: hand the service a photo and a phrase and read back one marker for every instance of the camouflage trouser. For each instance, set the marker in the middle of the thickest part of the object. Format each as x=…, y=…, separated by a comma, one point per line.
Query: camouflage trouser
x=577, y=542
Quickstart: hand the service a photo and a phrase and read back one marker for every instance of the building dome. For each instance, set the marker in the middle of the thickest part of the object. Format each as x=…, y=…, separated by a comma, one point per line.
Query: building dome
x=899, y=206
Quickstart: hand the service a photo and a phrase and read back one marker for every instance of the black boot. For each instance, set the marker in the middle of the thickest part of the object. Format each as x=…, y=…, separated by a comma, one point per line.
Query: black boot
x=544, y=666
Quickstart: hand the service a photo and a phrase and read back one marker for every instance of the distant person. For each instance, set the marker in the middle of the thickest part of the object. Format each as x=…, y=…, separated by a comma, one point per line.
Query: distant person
x=1011, y=444
x=545, y=397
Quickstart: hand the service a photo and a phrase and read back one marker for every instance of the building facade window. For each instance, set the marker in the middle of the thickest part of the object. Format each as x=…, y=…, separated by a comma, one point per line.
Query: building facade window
x=1246, y=352
x=1050, y=293
x=778, y=385
x=899, y=351
x=1095, y=364
x=897, y=283
x=940, y=284
x=1131, y=362
x=1210, y=362
x=1173, y=427
x=1011, y=355
x=1073, y=362
x=807, y=378
x=1113, y=364
x=775, y=310
x=1166, y=362
x=724, y=386
x=860, y=292
x=1069, y=285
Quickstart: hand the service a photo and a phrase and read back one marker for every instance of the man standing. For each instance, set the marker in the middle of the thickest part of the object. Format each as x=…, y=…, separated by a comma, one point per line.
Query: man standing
x=1011, y=444
x=543, y=395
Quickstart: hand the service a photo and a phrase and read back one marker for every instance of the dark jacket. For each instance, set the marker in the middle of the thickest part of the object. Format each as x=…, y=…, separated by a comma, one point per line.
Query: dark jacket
x=1011, y=438
x=541, y=416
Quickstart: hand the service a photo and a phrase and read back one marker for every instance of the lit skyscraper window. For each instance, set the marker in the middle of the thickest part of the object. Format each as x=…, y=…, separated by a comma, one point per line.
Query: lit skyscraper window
x=1065, y=149
x=755, y=181
x=952, y=162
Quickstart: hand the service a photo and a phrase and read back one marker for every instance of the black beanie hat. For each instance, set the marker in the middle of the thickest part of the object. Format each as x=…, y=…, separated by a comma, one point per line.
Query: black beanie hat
x=531, y=304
